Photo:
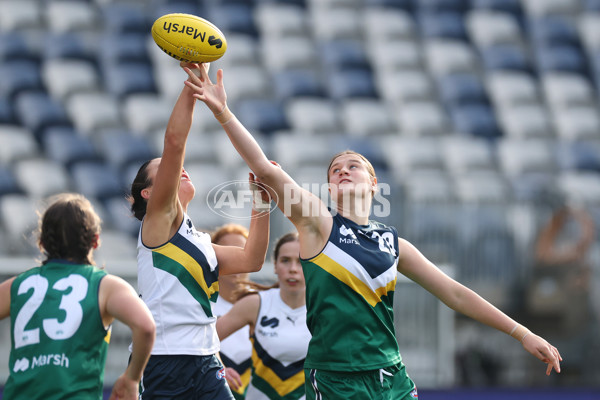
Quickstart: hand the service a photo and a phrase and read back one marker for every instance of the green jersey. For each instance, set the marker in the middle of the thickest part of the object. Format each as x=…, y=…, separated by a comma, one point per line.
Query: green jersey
x=58, y=340
x=349, y=298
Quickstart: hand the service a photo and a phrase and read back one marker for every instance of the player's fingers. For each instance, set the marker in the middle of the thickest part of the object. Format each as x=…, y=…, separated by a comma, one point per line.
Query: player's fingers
x=193, y=77
x=204, y=73
x=220, y=77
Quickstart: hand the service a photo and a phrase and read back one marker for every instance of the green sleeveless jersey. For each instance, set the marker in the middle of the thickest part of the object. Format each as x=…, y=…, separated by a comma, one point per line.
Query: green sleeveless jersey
x=349, y=298
x=58, y=341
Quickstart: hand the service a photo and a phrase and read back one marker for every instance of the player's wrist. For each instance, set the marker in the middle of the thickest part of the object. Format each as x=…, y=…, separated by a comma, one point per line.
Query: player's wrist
x=519, y=332
x=224, y=116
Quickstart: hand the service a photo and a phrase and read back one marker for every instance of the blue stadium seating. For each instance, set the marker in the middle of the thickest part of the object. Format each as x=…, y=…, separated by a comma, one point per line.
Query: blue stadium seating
x=97, y=180
x=121, y=18
x=68, y=45
x=8, y=182
x=505, y=57
x=266, y=116
x=462, y=89
x=509, y=6
x=236, y=18
x=343, y=54
x=15, y=46
x=68, y=147
x=19, y=76
x=7, y=115
x=351, y=83
x=555, y=31
x=475, y=119
x=560, y=58
x=445, y=25
x=122, y=149
x=37, y=111
x=122, y=80
x=118, y=48
x=297, y=83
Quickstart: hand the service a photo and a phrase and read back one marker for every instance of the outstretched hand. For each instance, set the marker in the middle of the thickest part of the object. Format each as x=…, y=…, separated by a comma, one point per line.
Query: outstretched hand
x=544, y=351
x=212, y=94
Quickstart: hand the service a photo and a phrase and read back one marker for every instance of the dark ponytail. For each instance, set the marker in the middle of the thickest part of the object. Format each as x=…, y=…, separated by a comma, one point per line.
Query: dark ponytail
x=141, y=182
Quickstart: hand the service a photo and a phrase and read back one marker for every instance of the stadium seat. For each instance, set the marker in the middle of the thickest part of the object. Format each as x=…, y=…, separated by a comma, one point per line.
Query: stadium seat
x=288, y=52
x=365, y=117
x=69, y=45
x=509, y=6
x=343, y=54
x=580, y=187
x=297, y=83
x=565, y=90
x=505, y=57
x=19, y=76
x=422, y=119
x=37, y=111
x=18, y=143
x=97, y=180
x=405, y=154
x=349, y=83
x=123, y=80
x=247, y=82
x=518, y=157
x=459, y=89
x=119, y=216
x=312, y=115
x=294, y=150
x=264, y=116
x=124, y=18
x=116, y=245
x=560, y=58
x=16, y=46
x=208, y=176
x=449, y=25
x=67, y=147
x=405, y=86
x=71, y=16
x=144, y=113
x=119, y=48
x=93, y=111
x=121, y=149
x=553, y=30
x=462, y=154
x=7, y=114
x=406, y=5
x=482, y=187
x=526, y=121
x=427, y=187
x=589, y=31
x=232, y=18
x=394, y=56
x=179, y=6
x=445, y=56
x=490, y=28
x=241, y=50
x=432, y=227
x=476, y=119
x=276, y=19
x=8, y=182
x=20, y=15
x=20, y=240
x=543, y=8
x=65, y=77
x=40, y=177
x=336, y=23
x=577, y=123
x=582, y=156
x=512, y=88
x=388, y=25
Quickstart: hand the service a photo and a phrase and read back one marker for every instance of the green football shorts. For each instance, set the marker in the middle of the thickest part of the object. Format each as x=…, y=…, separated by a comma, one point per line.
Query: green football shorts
x=391, y=383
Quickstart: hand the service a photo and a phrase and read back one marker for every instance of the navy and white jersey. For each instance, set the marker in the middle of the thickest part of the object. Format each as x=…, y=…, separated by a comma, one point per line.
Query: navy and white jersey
x=280, y=342
x=178, y=281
